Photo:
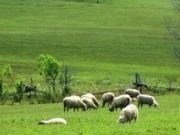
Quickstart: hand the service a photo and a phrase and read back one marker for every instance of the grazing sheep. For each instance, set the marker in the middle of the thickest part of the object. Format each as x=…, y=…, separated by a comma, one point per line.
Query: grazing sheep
x=89, y=102
x=92, y=97
x=146, y=99
x=120, y=101
x=128, y=113
x=53, y=121
x=133, y=93
x=73, y=102
x=107, y=98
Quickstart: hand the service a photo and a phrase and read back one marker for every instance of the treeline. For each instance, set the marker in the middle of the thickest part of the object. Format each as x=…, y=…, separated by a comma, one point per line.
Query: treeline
x=53, y=74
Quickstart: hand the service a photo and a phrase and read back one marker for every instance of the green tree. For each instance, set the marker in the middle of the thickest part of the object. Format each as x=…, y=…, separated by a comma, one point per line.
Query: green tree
x=18, y=95
x=50, y=68
x=7, y=71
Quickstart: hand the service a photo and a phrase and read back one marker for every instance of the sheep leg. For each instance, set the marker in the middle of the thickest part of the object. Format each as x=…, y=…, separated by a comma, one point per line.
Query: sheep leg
x=74, y=109
x=138, y=104
x=103, y=104
x=135, y=119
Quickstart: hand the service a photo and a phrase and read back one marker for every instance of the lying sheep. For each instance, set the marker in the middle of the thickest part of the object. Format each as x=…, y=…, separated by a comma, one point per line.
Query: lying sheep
x=120, y=102
x=146, y=99
x=53, y=121
x=107, y=98
x=73, y=102
x=89, y=102
x=133, y=93
x=128, y=113
x=92, y=97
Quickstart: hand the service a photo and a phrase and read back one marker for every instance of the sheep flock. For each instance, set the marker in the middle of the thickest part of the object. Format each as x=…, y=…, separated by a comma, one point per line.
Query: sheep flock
x=126, y=103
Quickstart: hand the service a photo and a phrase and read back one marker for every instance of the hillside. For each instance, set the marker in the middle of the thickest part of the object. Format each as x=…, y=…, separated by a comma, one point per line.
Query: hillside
x=109, y=40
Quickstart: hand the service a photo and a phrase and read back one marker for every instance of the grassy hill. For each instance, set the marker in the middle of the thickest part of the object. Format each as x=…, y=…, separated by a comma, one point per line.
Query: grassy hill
x=109, y=40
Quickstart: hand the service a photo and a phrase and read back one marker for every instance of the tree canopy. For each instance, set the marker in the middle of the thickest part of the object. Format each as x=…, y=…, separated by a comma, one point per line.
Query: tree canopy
x=50, y=68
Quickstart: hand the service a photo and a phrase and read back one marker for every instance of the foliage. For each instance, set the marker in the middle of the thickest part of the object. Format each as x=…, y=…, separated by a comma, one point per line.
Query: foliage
x=18, y=95
x=50, y=68
x=7, y=71
x=65, y=80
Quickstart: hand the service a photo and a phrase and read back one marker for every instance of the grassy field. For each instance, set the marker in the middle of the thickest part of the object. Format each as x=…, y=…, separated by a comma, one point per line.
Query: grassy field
x=23, y=119
x=110, y=40
x=100, y=42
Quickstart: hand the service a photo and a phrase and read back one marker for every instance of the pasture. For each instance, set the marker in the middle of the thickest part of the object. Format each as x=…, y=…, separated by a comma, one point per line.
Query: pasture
x=100, y=42
x=23, y=119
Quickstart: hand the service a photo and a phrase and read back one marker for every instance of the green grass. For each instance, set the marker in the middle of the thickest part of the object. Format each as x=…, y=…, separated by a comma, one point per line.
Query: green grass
x=23, y=119
x=110, y=40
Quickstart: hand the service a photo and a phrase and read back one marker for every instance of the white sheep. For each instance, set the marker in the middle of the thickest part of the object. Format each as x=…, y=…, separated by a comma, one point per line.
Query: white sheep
x=92, y=97
x=146, y=99
x=128, y=113
x=89, y=102
x=53, y=121
x=73, y=102
x=133, y=93
x=107, y=98
x=120, y=102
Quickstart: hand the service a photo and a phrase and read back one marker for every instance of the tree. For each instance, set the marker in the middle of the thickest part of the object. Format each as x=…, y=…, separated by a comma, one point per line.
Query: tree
x=7, y=71
x=174, y=30
x=176, y=4
x=65, y=80
x=50, y=68
x=18, y=95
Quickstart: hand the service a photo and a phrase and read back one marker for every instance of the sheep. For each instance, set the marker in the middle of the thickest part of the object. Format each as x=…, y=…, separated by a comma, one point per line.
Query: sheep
x=146, y=99
x=53, y=121
x=120, y=101
x=89, y=102
x=92, y=97
x=73, y=102
x=107, y=98
x=133, y=93
x=128, y=113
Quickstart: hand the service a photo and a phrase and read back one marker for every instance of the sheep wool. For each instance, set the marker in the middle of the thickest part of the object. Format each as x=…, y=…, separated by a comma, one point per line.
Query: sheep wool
x=146, y=99
x=53, y=121
x=133, y=93
x=92, y=97
x=73, y=102
x=89, y=102
x=107, y=98
x=128, y=113
x=120, y=102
